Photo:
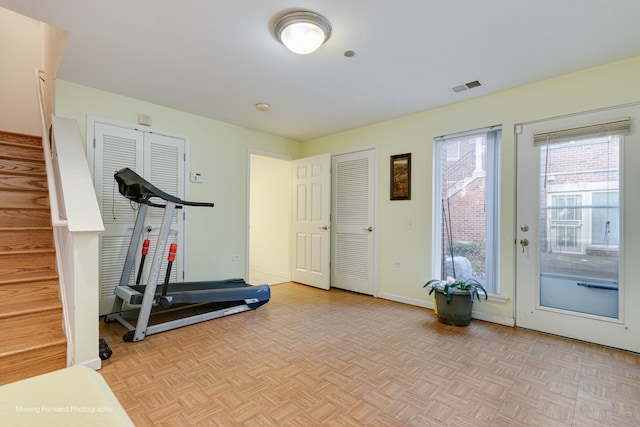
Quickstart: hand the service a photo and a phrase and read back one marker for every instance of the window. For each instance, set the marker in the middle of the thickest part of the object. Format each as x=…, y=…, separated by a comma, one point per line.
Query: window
x=605, y=221
x=582, y=221
x=566, y=223
x=466, y=206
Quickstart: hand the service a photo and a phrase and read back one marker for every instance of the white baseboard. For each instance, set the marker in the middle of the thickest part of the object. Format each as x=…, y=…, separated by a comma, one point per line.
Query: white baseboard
x=493, y=319
x=94, y=364
x=405, y=300
x=429, y=304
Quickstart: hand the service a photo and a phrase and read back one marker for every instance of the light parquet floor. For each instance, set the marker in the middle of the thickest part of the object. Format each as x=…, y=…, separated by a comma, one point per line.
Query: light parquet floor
x=334, y=358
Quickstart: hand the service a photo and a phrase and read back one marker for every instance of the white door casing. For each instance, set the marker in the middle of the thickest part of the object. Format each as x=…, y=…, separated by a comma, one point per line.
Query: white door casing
x=352, y=221
x=621, y=331
x=311, y=235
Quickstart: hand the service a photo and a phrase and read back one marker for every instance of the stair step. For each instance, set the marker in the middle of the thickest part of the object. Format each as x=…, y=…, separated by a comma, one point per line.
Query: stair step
x=41, y=302
x=30, y=308
x=30, y=329
x=23, y=183
x=15, y=166
x=24, y=200
x=25, y=218
x=25, y=265
x=18, y=138
x=22, y=238
x=25, y=238
x=50, y=354
x=29, y=297
x=21, y=151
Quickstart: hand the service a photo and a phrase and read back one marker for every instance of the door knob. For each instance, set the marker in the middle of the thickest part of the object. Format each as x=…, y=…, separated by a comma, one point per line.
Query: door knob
x=324, y=228
x=369, y=229
x=524, y=243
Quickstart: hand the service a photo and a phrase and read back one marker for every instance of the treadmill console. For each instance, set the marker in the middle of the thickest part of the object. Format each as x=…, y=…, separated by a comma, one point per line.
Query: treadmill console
x=136, y=188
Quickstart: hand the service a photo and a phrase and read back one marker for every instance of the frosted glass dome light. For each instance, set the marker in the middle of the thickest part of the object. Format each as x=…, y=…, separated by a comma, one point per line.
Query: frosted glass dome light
x=302, y=32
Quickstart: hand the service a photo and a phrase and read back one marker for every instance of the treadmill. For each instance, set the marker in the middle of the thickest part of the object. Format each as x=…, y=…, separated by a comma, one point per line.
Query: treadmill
x=176, y=304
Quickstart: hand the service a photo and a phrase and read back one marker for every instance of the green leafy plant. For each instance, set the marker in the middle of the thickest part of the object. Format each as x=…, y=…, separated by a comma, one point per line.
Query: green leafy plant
x=451, y=285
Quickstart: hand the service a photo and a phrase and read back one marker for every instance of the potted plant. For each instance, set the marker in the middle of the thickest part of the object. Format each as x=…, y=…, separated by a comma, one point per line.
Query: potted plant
x=454, y=299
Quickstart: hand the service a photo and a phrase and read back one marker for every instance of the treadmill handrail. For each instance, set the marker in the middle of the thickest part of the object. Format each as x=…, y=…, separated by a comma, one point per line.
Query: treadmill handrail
x=136, y=188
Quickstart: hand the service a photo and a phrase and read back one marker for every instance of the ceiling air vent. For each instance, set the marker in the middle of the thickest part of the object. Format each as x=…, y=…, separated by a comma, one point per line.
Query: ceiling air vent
x=466, y=86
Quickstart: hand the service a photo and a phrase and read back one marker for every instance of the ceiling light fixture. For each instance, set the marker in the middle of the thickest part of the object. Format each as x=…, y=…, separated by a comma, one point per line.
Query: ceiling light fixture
x=302, y=32
x=263, y=106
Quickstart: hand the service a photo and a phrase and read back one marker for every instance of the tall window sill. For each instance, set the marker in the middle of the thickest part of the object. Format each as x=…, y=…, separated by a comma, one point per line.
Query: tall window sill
x=497, y=298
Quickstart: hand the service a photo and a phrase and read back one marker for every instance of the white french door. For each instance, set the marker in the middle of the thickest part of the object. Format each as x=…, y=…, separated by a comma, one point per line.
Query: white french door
x=310, y=240
x=160, y=159
x=352, y=221
x=578, y=229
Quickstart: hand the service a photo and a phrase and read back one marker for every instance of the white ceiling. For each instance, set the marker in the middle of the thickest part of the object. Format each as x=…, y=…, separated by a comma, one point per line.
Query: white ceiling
x=218, y=58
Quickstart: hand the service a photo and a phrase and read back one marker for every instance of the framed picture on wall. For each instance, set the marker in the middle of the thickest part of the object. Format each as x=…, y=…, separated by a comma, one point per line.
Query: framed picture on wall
x=401, y=177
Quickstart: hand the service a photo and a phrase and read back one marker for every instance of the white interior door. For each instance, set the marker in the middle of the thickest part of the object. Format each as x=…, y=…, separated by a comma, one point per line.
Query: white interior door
x=160, y=160
x=114, y=148
x=577, y=230
x=311, y=235
x=352, y=221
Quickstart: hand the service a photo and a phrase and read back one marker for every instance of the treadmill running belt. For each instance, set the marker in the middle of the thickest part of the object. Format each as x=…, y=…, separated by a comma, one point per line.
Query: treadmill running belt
x=196, y=286
x=214, y=291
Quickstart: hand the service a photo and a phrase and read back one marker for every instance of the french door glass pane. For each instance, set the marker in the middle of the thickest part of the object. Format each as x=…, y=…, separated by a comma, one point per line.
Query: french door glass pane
x=579, y=226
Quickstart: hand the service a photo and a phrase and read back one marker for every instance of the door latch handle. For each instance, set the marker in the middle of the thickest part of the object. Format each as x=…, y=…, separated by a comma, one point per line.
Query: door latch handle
x=524, y=243
x=324, y=228
x=369, y=229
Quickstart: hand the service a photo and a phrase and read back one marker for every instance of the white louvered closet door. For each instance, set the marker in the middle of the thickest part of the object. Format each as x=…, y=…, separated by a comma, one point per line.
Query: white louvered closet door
x=158, y=159
x=164, y=168
x=352, y=222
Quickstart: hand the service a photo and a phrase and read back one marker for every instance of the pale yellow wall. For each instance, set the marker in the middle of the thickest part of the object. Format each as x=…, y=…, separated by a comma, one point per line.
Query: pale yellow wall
x=26, y=44
x=54, y=41
x=609, y=85
x=20, y=48
x=217, y=150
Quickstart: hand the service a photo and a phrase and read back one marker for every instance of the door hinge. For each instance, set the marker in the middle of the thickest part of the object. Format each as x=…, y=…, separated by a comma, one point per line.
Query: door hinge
x=94, y=143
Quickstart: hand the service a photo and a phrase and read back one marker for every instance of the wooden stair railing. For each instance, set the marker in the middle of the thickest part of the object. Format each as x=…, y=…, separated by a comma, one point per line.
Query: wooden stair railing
x=32, y=340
